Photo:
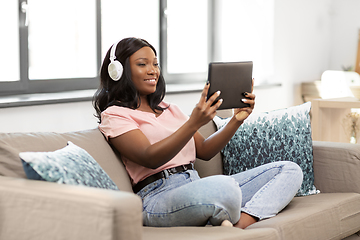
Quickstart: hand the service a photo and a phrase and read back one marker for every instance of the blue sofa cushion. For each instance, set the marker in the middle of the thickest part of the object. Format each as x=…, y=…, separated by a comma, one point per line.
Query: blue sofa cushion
x=281, y=135
x=69, y=165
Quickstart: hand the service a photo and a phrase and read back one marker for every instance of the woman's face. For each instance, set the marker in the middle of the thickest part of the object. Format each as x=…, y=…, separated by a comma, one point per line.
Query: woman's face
x=144, y=70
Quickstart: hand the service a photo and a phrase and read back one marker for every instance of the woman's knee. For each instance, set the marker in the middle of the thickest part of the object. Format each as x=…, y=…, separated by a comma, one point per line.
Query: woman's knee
x=224, y=193
x=221, y=186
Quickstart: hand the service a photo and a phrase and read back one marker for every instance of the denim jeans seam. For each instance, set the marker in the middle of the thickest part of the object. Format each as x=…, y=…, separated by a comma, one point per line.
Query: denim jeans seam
x=255, y=176
x=266, y=186
x=245, y=209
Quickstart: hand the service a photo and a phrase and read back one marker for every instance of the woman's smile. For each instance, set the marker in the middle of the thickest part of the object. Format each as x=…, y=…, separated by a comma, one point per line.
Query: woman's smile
x=151, y=80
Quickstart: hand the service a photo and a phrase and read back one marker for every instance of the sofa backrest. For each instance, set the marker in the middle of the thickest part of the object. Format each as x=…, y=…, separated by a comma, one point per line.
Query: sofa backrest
x=11, y=144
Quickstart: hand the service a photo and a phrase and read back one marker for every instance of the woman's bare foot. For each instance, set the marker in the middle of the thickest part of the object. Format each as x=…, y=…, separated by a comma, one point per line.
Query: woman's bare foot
x=226, y=223
x=245, y=221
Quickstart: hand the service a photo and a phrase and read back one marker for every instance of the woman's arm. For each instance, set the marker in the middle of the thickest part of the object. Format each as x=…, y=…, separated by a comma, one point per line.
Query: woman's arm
x=135, y=146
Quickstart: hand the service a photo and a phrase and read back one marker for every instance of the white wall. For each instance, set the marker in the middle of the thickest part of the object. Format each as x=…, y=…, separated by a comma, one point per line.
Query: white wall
x=67, y=117
x=345, y=27
x=310, y=37
x=53, y=117
x=302, y=31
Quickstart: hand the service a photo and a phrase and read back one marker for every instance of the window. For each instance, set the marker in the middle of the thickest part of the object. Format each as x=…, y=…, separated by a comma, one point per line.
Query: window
x=9, y=47
x=217, y=30
x=189, y=34
x=124, y=18
x=186, y=40
x=52, y=46
x=62, y=39
x=56, y=47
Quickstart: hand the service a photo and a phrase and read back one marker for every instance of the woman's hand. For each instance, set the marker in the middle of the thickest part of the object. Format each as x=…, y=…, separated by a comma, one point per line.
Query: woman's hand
x=241, y=114
x=203, y=111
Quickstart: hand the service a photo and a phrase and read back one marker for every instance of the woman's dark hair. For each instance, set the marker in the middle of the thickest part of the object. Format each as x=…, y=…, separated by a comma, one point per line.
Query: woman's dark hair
x=123, y=92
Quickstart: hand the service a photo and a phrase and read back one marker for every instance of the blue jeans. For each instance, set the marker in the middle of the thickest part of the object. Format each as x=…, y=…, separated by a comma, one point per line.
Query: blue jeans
x=183, y=199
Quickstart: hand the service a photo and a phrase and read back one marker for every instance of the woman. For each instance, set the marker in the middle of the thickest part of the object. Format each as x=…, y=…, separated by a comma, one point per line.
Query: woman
x=159, y=144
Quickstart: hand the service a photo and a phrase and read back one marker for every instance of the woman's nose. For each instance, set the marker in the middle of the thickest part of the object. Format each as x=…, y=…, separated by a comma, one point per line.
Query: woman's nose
x=151, y=70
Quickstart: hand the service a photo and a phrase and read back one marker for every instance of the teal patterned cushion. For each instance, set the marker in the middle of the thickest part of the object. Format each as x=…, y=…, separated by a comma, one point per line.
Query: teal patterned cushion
x=281, y=135
x=69, y=165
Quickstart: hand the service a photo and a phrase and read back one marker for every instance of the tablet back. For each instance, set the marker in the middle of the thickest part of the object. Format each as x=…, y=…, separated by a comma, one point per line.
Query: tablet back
x=232, y=79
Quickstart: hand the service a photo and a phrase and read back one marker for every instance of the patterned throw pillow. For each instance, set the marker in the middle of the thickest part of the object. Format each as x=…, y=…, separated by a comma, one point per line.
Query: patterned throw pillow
x=281, y=135
x=69, y=165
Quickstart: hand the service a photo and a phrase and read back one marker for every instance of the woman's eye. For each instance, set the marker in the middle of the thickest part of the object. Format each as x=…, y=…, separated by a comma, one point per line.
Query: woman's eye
x=156, y=64
x=141, y=64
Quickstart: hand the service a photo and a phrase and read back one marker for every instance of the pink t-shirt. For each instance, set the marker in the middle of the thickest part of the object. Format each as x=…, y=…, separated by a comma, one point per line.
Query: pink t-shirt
x=116, y=121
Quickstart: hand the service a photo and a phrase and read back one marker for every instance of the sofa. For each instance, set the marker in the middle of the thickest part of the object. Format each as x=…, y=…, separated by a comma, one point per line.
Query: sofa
x=31, y=209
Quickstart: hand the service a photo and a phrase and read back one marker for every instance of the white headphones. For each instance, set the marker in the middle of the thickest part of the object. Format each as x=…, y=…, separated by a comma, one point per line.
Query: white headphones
x=115, y=68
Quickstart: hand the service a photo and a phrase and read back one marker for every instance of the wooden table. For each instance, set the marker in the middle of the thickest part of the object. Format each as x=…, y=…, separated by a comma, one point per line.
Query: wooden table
x=327, y=116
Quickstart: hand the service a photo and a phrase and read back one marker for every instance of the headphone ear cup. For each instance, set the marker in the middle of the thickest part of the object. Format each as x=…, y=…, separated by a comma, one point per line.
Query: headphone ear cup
x=115, y=70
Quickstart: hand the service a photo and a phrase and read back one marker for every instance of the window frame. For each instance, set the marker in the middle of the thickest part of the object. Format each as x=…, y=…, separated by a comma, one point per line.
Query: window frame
x=189, y=81
x=27, y=86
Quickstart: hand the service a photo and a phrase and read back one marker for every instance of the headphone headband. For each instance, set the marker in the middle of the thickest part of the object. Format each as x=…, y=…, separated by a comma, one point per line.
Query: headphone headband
x=112, y=51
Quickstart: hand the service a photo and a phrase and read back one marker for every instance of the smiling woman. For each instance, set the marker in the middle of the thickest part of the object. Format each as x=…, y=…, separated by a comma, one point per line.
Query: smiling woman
x=158, y=144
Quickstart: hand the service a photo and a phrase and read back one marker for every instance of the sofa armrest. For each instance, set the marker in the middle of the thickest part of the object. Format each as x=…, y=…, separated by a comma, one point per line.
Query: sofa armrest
x=42, y=210
x=336, y=167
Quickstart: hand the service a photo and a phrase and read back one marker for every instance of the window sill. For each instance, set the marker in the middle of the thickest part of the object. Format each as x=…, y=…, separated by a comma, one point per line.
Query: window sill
x=46, y=98
x=22, y=100
x=184, y=88
x=87, y=95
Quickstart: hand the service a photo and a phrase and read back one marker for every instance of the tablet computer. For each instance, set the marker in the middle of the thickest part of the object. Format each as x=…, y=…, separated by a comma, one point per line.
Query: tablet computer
x=232, y=79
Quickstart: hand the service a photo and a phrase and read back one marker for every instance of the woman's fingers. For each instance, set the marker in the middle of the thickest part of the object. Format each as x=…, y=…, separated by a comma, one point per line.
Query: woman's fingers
x=204, y=94
x=206, y=103
x=250, y=99
x=205, y=110
x=242, y=113
x=252, y=85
